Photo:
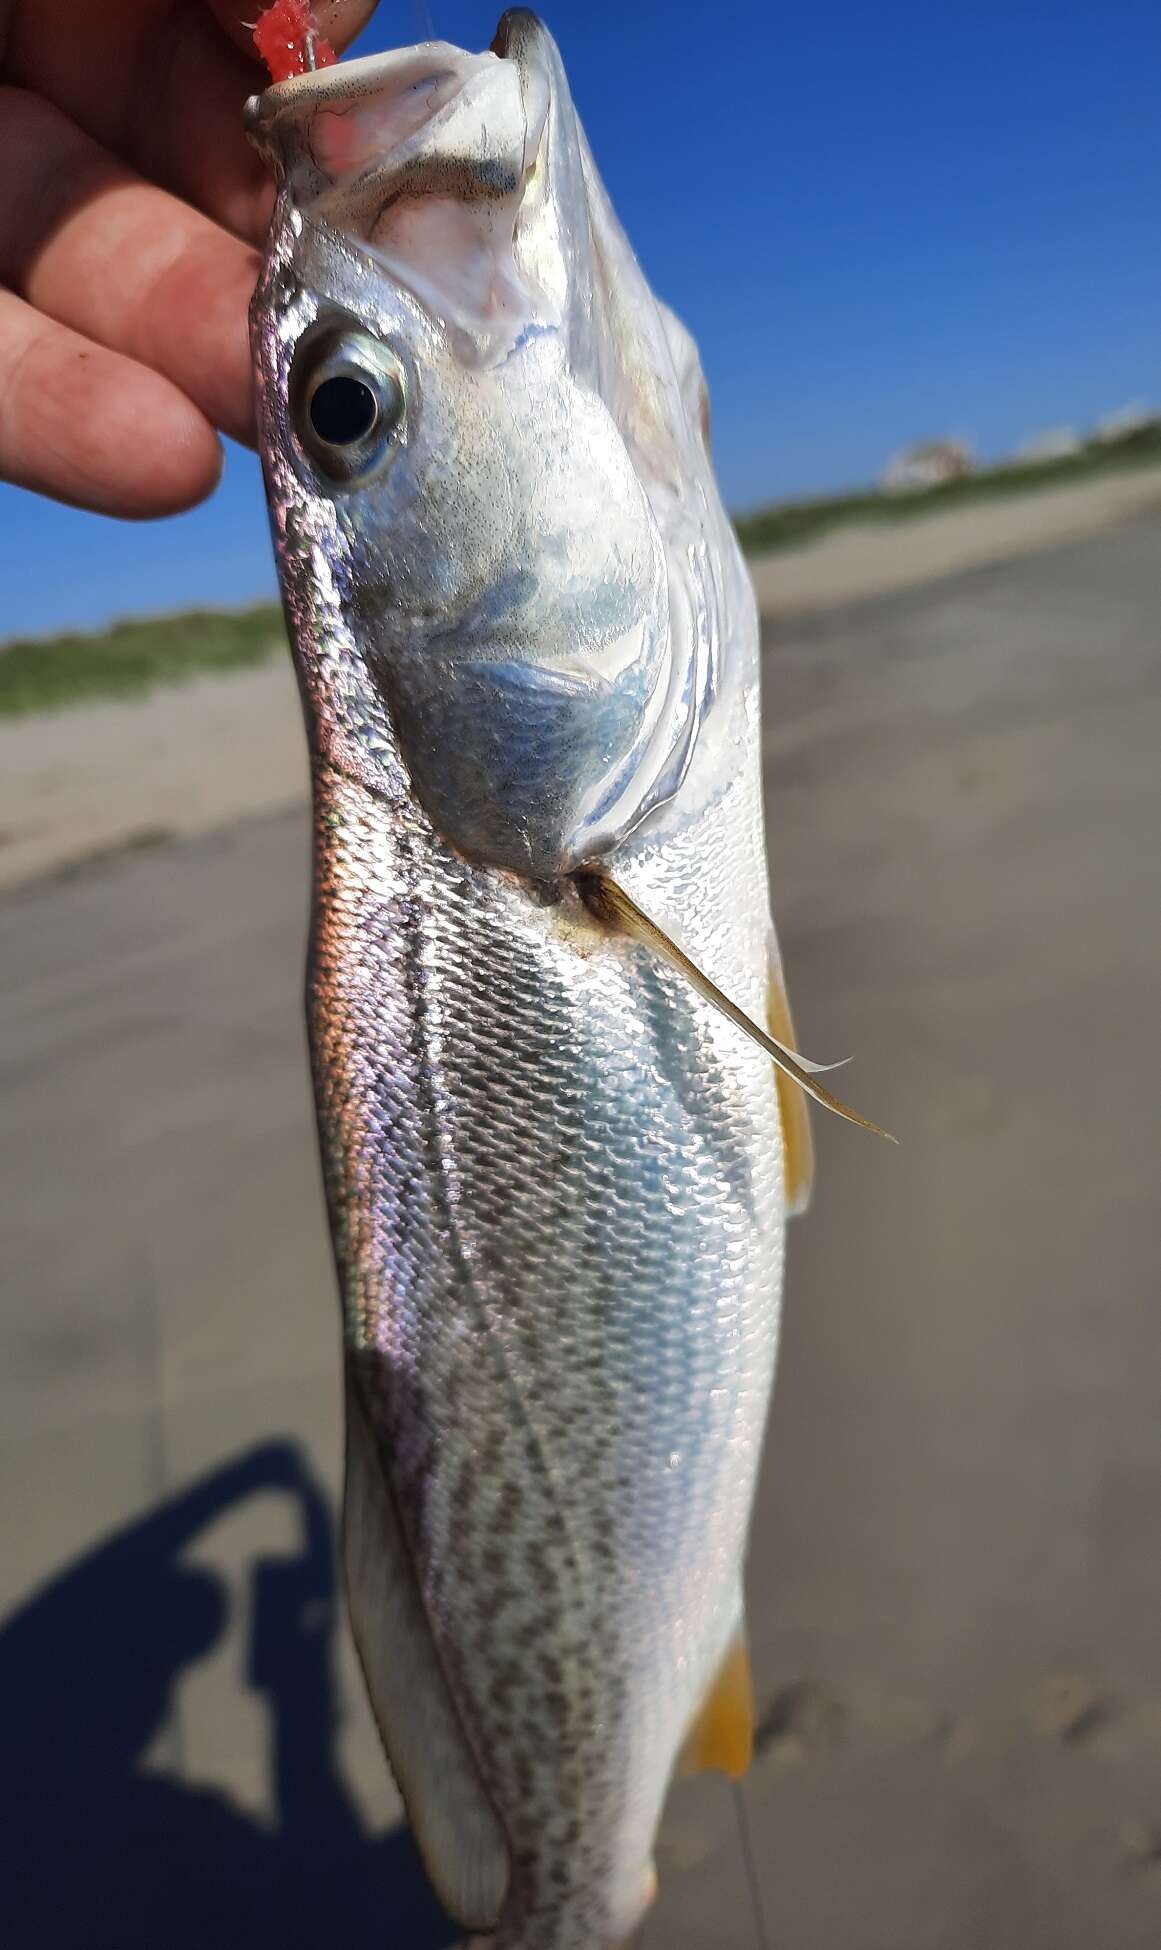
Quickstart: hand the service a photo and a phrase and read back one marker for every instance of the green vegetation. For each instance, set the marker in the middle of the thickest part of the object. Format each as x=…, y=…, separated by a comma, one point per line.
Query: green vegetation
x=794, y=522
x=130, y=658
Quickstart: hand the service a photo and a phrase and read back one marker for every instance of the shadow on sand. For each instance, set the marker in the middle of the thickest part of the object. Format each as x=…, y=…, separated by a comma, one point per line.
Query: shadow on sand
x=99, y=1853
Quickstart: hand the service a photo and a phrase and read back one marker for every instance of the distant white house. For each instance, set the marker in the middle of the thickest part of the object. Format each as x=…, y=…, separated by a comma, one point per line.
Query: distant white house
x=1122, y=424
x=1051, y=443
x=926, y=465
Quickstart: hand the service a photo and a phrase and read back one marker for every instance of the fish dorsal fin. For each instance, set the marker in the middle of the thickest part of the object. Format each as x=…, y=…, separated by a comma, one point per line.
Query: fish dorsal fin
x=611, y=904
x=722, y=1734
x=797, y=1142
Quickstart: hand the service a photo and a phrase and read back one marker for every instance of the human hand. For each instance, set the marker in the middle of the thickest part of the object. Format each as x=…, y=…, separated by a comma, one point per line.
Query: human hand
x=131, y=206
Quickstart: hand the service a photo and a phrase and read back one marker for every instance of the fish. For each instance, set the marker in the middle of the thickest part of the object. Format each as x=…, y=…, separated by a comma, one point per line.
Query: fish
x=543, y=985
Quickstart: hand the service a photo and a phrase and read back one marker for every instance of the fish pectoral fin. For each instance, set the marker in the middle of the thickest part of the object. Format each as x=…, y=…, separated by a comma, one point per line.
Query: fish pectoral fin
x=797, y=1142
x=722, y=1735
x=609, y=902
x=455, y=1826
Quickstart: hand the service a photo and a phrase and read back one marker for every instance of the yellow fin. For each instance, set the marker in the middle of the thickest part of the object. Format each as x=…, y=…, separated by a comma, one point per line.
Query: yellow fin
x=722, y=1735
x=797, y=1143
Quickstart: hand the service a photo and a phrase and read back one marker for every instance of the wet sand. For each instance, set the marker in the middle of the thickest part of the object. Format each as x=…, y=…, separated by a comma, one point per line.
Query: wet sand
x=955, y=1581
x=956, y=1569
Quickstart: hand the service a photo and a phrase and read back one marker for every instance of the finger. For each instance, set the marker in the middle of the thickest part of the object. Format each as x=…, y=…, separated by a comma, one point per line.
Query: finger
x=122, y=262
x=160, y=87
x=163, y=88
x=338, y=21
x=87, y=426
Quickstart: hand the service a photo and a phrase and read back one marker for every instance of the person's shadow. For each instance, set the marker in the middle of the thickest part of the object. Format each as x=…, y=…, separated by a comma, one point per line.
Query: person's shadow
x=98, y=1852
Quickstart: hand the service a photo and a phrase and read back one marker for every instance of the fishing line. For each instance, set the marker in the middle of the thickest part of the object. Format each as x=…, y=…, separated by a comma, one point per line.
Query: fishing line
x=748, y=1857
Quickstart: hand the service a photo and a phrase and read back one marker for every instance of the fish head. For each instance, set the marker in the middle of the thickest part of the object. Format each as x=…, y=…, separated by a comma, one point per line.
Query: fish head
x=484, y=454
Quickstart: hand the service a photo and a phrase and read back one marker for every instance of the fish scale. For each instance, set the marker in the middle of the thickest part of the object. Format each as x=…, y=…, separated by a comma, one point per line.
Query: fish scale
x=526, y=645
x=552, y=1358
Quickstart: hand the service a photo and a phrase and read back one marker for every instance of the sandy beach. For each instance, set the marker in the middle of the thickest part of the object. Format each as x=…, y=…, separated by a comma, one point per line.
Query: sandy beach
x=954, y=1586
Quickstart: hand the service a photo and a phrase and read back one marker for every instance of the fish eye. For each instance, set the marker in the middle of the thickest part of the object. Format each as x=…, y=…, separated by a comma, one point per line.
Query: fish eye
x=342, y=410
x=347, y=401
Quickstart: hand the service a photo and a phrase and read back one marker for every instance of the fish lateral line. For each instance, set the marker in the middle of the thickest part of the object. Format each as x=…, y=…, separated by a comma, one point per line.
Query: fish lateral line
x=607, y=901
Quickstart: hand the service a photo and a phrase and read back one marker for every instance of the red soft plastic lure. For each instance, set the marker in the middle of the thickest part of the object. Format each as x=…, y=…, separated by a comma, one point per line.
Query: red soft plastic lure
x=286, y=37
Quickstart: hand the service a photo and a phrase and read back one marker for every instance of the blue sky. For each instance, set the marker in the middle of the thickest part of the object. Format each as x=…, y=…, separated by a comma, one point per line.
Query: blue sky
x=881, y=221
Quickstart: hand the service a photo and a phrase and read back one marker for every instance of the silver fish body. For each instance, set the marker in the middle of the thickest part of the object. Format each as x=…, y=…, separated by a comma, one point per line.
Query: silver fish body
x=525, y=642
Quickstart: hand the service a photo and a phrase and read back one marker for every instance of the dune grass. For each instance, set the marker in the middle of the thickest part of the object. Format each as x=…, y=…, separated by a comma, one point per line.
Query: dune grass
x=791, y=523
x=129, y=659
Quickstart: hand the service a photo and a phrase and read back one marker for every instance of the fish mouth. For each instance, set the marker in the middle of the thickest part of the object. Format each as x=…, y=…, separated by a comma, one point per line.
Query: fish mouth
x=426, y=158
x=518, y=33
x=520, y=36
x=432, y=61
